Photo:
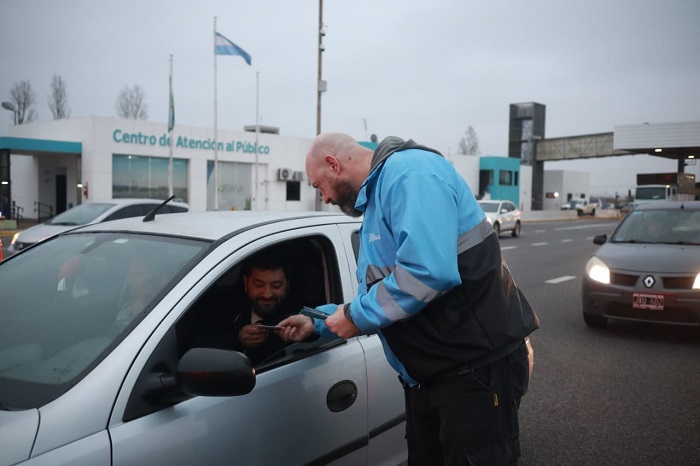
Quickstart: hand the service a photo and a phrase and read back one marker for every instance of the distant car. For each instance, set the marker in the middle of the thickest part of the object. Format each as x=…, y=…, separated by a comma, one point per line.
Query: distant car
x=648, y=269
x=502, y=215
x=80, y=385
x=88, y=213
x=582, y=206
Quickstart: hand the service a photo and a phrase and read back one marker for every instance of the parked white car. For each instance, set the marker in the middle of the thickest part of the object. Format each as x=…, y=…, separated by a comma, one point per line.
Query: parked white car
x=502, y=215
x=81, y=386
x=582, y=206
x=88, y=213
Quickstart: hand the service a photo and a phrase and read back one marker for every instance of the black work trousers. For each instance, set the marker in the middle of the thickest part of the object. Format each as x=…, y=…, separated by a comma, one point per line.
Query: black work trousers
x=470, y=418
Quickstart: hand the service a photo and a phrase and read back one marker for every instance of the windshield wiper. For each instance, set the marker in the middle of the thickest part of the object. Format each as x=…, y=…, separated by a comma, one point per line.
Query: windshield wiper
x=65, y=223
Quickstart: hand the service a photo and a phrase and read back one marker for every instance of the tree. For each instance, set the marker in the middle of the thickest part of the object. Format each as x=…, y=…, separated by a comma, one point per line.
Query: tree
x=23, y=97
x=58, y=98
x=469, y=144
x=131, y=103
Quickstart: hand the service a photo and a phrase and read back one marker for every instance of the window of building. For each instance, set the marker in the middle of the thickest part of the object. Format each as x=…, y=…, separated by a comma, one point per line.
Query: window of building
x=136, y=176
x=293, y=191
x=235, y=186
x=505, y=178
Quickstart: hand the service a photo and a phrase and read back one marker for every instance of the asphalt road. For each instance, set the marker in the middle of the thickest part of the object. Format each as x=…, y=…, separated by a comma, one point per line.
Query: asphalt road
x=628, y=394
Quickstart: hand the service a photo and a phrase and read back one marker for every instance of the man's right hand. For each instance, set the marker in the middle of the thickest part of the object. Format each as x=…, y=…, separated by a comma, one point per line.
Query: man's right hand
x=296, y=328
x=252, y=336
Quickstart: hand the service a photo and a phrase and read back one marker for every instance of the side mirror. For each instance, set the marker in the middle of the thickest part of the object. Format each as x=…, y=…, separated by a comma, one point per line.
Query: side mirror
x=600, y=239
x=215, y=372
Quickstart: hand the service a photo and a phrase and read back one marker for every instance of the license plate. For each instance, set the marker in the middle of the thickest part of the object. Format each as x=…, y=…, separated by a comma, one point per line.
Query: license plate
x=655, y=302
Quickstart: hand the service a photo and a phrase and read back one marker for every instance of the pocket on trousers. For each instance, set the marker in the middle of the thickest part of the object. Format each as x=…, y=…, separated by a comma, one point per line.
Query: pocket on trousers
x=520, y=371
x=501, y=453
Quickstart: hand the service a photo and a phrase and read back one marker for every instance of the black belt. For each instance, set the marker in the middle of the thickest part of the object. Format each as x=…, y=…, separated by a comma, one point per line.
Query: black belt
x=474, y=365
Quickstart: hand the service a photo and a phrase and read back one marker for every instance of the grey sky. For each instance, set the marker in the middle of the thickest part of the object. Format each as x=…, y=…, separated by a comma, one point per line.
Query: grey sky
x=418, y=69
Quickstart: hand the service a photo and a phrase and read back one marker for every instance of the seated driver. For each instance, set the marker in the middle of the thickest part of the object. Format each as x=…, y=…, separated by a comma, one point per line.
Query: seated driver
x=266, y=285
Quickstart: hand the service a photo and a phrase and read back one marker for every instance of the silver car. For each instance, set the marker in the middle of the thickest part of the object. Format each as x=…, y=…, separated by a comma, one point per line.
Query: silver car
x=91, y=212
x=649, y=268
x=502, y=215
x=80, y=383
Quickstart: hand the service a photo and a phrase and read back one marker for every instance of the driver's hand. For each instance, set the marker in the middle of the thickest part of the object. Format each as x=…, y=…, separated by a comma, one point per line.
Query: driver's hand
x=252, y=336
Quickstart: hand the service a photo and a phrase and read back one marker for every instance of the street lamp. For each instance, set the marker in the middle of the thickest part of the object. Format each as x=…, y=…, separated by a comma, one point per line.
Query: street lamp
x=11, y=107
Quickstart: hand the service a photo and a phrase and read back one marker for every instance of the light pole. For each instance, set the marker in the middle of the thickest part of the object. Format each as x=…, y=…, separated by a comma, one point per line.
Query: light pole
x=11, y=107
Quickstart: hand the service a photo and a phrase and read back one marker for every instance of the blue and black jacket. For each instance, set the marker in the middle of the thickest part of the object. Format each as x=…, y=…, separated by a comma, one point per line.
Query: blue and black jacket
x=433, y=283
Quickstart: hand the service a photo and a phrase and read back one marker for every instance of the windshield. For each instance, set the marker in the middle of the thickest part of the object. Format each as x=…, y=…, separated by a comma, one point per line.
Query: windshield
x=651, y=194
x=489, y=206
x=678, y=226
x=82, y=214
x=67, y=302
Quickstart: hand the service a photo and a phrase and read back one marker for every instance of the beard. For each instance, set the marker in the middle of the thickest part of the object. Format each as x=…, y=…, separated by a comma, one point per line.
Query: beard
x=346, y=198
x=268, y=308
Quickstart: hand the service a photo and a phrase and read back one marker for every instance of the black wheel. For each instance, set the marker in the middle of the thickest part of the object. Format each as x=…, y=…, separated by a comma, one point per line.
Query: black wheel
x=593, y=213
x=497, y=228
x=516, y=231
x=594, y=321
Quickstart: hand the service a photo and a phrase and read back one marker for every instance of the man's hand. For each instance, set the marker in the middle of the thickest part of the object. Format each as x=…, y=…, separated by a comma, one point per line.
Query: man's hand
x=252, y=336
x=296, y=328
x=340, y=325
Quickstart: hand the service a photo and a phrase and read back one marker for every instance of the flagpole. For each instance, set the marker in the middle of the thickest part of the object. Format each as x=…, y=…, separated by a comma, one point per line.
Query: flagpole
x=216, y=143
x=257, y=132
x=171, y=127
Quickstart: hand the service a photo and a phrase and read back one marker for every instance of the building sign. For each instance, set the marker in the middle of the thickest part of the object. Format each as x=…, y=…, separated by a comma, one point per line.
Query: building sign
x=183, y=142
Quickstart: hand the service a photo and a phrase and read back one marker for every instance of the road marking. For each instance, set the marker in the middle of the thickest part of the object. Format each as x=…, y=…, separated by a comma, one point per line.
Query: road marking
x=540, y=244
x=566, y=240
x=565, y=278
x=504, y=248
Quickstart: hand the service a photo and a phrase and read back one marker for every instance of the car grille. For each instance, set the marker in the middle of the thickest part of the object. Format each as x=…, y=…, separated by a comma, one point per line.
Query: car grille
x=622, y=279
x=669, y=283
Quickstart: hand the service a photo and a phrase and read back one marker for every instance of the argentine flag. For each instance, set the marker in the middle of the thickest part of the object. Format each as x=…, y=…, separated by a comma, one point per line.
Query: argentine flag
x=223, y=46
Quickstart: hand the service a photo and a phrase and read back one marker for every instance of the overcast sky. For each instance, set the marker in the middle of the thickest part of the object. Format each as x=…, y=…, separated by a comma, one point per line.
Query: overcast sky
x=414, y=69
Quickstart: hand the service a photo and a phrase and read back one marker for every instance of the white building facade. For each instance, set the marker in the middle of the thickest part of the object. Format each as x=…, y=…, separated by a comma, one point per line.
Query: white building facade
x=66, y=162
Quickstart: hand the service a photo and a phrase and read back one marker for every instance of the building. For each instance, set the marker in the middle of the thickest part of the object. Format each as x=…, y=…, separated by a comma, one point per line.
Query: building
x=55, y=165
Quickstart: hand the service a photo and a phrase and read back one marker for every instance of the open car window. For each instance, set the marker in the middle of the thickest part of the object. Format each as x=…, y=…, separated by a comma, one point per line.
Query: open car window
x=214, y=319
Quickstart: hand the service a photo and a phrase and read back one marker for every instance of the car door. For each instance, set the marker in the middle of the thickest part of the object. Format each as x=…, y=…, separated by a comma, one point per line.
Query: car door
x=506, y=215
x=309, y=409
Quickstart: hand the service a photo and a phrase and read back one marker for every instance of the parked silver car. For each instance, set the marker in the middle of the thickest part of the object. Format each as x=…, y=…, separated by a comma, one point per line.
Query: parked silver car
x=91, y=212
x=502, y=215
x=648, y=270
x=80, y=386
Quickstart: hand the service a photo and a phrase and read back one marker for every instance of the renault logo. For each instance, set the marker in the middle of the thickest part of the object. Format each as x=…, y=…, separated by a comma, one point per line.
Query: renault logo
x=649, y=281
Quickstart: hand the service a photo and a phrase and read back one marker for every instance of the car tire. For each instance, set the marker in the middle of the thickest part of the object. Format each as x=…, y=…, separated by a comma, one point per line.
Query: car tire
x=516, y=231
x=593, y=213
x=497, y=228
x=595, y=321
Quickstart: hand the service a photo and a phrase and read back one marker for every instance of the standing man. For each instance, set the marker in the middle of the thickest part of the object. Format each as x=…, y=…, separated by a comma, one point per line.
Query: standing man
x=435, y=288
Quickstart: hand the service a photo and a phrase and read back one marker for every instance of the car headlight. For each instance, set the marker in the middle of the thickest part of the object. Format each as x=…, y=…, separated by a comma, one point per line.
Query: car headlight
x=599, y=272
x=14, y=238
x=696, y=283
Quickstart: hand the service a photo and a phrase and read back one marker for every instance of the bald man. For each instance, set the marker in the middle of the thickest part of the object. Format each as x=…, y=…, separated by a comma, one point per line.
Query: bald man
x=434, y=287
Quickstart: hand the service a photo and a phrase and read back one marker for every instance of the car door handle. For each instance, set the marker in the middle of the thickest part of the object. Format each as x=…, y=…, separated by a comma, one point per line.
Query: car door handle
x=341, y=396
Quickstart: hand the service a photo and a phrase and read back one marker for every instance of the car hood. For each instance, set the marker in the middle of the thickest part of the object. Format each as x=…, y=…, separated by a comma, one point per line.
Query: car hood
x=664, y=258
x=39, y=232
x=18, y=431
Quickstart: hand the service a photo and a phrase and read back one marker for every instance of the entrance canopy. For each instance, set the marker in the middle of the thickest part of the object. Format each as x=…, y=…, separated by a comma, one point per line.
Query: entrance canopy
x=28, y=146
x=677, y=141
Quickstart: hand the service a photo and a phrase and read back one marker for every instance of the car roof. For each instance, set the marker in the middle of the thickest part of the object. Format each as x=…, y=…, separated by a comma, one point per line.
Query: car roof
x=212, y=225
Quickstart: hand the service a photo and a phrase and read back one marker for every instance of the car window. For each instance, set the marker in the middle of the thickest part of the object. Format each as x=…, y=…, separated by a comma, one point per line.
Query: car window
x=212, y=321
x=82, y=214
x=69, y=300
x=128, y=211
x=489, y=207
